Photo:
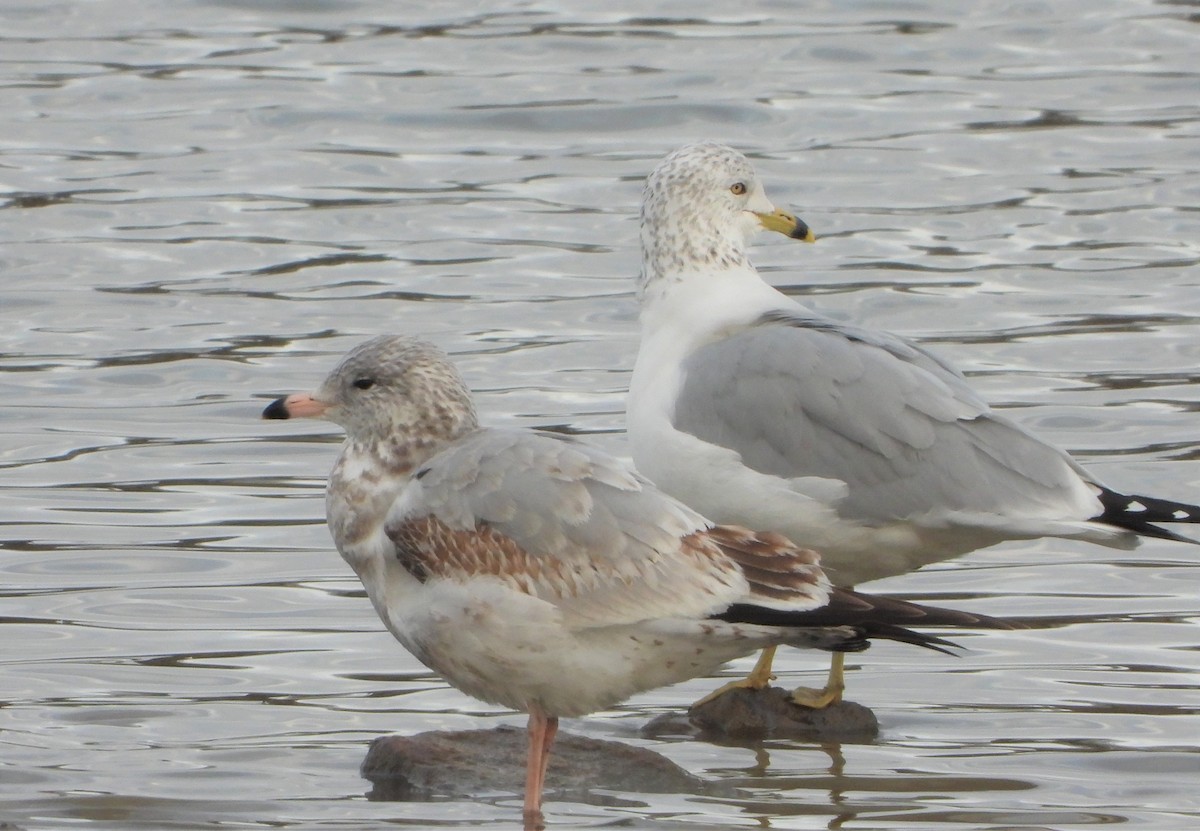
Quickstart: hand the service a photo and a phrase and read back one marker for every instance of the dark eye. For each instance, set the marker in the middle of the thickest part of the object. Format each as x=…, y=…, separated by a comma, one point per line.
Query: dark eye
x=738, y=188
x=364, y=383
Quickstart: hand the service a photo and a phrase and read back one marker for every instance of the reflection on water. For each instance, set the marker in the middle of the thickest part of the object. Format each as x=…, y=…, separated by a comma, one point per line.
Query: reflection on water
x=203, y=203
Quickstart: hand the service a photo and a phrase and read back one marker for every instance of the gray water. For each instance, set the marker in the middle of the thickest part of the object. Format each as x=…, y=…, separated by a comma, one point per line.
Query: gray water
x=205, y=203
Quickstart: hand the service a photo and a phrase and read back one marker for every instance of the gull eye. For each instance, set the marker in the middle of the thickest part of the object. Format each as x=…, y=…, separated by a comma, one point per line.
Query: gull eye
x=364, y=383
x=738, y=188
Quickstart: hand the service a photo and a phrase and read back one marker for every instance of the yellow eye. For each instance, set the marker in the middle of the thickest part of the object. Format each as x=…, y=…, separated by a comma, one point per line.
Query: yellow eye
x=738, y=188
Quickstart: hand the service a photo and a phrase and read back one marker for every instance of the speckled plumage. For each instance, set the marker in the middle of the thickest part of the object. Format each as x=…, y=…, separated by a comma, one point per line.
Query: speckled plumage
x=423, y=502
x=689, y=217
x=534, y=571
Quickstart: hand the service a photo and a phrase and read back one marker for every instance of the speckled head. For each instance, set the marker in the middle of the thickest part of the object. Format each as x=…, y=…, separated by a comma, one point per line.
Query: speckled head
x=699, y=206
x=392, y=390
x=396, y=384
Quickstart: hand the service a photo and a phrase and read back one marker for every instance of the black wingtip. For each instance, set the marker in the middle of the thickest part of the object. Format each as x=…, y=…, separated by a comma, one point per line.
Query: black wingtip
x=1140, y=513
x=871, y=616
x=903, y=635
x=276, y=409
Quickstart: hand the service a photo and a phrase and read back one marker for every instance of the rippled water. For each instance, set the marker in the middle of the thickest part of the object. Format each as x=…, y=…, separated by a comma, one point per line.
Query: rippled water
x=205, y=202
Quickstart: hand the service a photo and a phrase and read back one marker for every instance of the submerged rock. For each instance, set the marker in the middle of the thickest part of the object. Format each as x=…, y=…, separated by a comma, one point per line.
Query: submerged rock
x=470, y=763
x=752, y=715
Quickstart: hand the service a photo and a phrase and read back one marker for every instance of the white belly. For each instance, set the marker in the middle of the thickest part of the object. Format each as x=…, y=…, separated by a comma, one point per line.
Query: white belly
x=508, y=648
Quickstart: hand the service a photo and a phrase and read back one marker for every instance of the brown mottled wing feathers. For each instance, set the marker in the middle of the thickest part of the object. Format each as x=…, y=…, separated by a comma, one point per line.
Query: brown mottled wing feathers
x=691, y=579
x=428, y=548
x=776, y=569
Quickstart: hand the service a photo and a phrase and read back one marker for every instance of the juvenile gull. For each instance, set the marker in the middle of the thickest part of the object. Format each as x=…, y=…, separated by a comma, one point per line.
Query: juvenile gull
x=752, y=409
x=535, y=572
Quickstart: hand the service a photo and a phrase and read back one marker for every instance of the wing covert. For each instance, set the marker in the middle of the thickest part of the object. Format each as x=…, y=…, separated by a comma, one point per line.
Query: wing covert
x=562, y=521
x=798, y=396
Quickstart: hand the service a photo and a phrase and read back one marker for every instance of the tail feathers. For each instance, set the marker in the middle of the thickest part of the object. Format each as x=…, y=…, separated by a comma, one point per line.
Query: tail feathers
x=1139, y=513
x=870, y=616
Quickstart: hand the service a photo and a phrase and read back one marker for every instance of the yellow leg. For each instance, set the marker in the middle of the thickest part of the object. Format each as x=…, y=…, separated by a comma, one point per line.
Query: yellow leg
x=759, y=678
x=834, y=687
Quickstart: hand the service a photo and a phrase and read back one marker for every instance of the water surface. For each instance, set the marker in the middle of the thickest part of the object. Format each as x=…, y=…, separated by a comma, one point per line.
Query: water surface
x=203, y=204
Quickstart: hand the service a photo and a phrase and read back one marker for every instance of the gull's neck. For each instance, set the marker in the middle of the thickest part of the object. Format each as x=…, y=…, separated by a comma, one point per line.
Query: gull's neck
x=672, y=248
x=697, y=280
x=700, y=302
x=373, y=470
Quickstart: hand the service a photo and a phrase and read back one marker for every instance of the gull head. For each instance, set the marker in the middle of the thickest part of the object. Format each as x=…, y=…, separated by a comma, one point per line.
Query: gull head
x=390, y=391
x=699, y=207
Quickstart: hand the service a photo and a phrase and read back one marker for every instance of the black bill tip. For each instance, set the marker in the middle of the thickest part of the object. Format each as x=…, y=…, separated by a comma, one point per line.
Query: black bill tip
x=276, y=409
x=803, y=232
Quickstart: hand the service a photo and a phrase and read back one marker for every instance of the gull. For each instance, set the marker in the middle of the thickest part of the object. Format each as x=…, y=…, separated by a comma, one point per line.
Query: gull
x=533, y=571
x=752, y=409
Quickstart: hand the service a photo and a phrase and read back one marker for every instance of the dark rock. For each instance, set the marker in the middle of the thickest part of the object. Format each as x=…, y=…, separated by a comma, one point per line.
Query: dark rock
x=470, y=763
x=753, y=715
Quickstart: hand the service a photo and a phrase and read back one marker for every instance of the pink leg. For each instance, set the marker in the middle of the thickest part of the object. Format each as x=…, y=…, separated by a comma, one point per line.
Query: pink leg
x=547, y=743
x=542, y=730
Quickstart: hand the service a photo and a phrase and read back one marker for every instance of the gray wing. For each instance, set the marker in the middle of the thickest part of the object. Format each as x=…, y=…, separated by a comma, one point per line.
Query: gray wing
x=804, y=396
x=566, y=522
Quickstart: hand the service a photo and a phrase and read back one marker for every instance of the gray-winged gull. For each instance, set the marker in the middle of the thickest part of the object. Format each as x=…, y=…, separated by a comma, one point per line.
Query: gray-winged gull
x=752, y=409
